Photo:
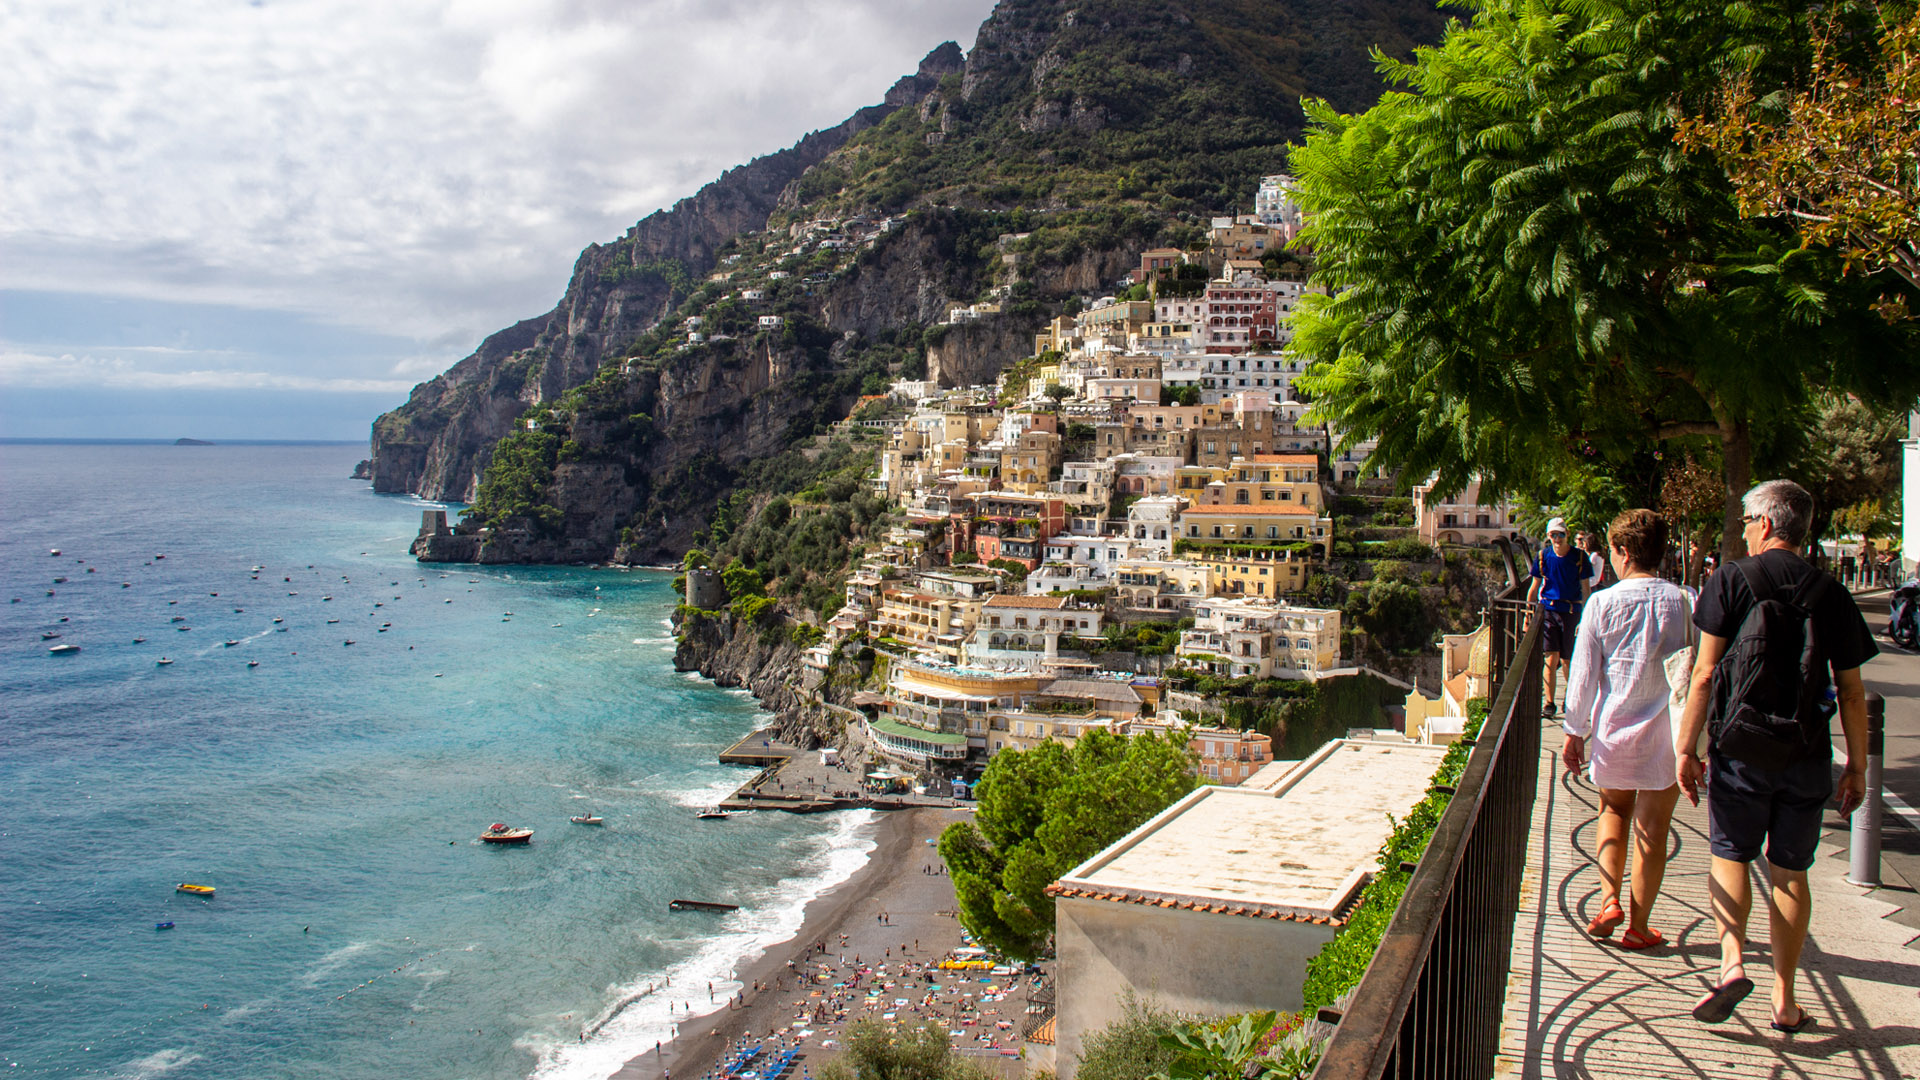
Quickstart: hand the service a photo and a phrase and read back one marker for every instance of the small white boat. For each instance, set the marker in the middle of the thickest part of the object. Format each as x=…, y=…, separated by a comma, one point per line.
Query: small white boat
x=139, y=641
x=162, y=662
x=49, y=635
x=230, y=643
x=714, y=813
x=588, y=819
x=63, y=650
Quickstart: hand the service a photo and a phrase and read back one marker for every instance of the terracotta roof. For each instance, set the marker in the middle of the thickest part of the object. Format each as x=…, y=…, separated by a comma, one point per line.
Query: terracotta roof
x=1252, y=911
x=1044, y=1033
x=1231, y=509
x=1285, y=459
x=1009, y=600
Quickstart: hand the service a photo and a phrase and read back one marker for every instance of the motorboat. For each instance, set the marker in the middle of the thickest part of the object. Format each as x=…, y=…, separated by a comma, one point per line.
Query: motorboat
x=253, y=663
x=49, y=635
x=502, y=833
x=714, y=813
x=196, y=890
x=163, y=926
x=588, y=819
x=231, y=642
x=139, y=641
x=162, y=662
x=63, y=650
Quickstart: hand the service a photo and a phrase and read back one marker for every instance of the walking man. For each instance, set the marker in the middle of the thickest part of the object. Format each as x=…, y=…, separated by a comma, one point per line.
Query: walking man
x=1562, y=577
x=1769, y=774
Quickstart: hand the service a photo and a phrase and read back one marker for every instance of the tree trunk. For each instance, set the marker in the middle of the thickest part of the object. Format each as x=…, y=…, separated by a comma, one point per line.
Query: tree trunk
x=1736, y=464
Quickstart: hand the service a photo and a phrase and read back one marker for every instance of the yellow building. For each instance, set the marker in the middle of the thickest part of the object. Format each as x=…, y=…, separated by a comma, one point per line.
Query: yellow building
x=1253, y=571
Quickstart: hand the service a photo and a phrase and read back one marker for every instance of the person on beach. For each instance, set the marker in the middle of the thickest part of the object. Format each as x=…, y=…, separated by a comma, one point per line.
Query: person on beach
x=1561, y=577
x=1753, y=804
x=1617, y=716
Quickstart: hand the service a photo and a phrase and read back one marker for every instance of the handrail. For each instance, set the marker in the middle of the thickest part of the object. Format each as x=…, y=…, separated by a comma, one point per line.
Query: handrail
x=1430, y=1003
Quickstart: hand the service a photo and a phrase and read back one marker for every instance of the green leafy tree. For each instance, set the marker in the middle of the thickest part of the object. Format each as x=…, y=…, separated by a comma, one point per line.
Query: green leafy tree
x=1041, y=813
x=1526, y=279
x=1129, y=1048
x=1839, y=155
x=1851, y=456
x=877, y=1050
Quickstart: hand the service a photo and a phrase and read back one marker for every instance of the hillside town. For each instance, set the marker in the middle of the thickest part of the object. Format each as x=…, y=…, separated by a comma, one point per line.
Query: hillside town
x=1150, y=462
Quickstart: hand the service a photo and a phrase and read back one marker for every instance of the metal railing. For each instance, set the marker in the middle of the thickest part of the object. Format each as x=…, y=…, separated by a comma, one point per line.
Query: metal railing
x=1430, y=1004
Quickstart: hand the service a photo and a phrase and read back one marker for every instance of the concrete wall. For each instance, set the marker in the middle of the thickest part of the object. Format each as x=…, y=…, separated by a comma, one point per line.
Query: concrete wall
x=1187, y=961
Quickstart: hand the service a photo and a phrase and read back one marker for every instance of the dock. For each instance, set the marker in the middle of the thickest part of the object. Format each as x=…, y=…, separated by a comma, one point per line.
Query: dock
x=795, y=780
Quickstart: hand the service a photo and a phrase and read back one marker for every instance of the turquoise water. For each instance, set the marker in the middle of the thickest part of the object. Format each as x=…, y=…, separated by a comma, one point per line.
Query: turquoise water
x=333, y=793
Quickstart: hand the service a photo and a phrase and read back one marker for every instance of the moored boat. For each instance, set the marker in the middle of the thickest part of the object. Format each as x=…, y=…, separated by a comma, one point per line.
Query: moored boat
x=163, y=926
x=588, y=819
x=196, y=890
x=63, y=650
x=502, y=833
x=162, y=662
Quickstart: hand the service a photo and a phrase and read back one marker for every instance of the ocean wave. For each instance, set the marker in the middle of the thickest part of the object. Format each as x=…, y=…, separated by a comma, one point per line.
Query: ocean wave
x=635, y=1018
x=158, y=1063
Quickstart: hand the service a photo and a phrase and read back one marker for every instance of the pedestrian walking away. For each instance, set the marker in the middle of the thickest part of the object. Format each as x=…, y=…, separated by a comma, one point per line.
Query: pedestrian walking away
x=1618, y=717
x=1561, y=579
x=1781, y=645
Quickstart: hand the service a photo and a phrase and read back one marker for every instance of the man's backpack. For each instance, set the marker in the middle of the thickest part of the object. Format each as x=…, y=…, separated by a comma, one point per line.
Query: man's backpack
x=1769, y=690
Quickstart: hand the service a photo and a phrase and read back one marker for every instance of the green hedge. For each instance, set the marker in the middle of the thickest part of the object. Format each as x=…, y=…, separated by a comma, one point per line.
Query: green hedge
x=1344, y=960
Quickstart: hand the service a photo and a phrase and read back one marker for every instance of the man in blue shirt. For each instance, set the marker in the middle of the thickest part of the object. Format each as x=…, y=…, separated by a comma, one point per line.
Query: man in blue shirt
x=1562, y=577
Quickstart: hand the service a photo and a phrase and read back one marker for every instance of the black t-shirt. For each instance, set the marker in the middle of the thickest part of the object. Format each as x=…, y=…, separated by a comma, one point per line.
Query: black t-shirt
x=1837, y=623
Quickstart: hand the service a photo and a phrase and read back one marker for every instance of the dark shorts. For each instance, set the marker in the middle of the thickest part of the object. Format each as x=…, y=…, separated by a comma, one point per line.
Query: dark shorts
x=1556, y=631
x=1748, y=808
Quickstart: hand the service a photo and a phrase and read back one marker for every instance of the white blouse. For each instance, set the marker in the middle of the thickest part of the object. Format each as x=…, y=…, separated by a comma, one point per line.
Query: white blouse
x=1617, y=688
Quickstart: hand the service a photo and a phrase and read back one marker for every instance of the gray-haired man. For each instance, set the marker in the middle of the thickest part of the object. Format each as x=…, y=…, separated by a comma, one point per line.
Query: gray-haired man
x=1777, y=806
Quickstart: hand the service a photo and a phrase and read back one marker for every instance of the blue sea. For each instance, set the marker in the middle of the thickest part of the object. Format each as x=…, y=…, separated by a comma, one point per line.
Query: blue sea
x=333, y=794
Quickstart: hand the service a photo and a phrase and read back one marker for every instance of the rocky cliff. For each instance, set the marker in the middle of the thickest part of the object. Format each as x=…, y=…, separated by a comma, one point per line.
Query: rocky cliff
x=749, y=316
x=436, y=445
x=734, y=655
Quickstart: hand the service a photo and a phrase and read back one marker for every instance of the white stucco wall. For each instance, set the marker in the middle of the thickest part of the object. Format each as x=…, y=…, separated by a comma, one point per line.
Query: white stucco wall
x=1910, y=496
x=1187, y=961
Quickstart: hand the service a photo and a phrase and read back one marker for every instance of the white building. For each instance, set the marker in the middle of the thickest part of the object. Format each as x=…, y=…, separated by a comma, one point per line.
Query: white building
x=1215, y=905
x=1460, y=519
x=1261, y=639
x=1274, y=204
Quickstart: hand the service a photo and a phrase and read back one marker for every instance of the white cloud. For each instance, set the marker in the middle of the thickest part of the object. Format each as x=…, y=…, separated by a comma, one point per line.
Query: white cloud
x=128, y=369
x=427, y=169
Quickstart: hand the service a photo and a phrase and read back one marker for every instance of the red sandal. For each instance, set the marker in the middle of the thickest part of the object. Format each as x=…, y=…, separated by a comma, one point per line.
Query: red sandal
x=1609, y=920
x=1634, y=939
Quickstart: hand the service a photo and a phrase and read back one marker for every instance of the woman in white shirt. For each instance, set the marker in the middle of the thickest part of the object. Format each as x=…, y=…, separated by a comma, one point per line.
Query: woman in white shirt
x=1617, y=715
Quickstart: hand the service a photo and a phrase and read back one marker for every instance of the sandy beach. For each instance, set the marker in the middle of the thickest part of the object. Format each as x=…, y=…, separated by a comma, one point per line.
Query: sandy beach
x=864, y=950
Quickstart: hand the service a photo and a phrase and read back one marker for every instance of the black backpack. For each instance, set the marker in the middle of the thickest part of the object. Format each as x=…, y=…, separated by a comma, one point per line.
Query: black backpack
x=1769, y=690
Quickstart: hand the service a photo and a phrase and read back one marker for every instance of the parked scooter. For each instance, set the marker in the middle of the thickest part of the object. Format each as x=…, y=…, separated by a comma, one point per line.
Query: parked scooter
x=1903, y=620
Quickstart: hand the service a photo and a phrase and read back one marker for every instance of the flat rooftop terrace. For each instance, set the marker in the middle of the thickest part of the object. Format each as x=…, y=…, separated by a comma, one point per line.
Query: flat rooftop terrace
x=1299, y=850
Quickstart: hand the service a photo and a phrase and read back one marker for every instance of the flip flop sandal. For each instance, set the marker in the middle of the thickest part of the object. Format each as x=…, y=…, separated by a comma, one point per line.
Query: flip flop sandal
x=1720, y=1004
x=1795, y=1028
x=1634, y=939
x=1609, y=920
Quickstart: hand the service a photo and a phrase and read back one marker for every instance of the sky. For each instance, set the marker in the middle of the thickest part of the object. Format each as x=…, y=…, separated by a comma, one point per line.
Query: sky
x=271, y=218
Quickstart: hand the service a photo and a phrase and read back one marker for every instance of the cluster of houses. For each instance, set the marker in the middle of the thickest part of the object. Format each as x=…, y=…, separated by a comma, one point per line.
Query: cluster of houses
x=1070, y=498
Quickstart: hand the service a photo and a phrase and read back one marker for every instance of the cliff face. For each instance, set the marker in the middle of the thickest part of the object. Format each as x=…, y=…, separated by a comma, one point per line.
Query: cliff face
x=1074, y=135
x=437, y=444
x=739, y=656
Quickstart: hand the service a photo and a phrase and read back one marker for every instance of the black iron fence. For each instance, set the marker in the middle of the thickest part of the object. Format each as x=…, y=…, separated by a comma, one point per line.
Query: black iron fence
x=1431, y=1001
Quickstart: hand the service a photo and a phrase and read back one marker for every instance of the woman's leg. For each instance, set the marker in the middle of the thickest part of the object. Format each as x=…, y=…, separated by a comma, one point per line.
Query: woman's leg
x=1652, y=814
x=1610, y=841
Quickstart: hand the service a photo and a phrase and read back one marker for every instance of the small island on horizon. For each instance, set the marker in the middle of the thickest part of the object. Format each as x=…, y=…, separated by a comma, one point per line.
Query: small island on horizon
x=191, y=442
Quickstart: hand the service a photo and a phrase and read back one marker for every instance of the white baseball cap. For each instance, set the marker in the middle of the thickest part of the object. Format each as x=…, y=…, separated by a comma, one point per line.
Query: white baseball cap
x=1557, y=525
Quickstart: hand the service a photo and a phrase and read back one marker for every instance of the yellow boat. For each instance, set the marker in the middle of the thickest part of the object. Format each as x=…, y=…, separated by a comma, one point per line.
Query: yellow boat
x=197, y=890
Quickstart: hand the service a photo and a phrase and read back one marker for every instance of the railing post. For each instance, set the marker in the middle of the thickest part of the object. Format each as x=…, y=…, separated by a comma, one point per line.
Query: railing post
x=1863, y=866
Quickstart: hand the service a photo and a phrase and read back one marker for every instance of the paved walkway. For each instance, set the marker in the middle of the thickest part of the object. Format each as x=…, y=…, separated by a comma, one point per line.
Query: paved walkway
x=1579, y=1008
